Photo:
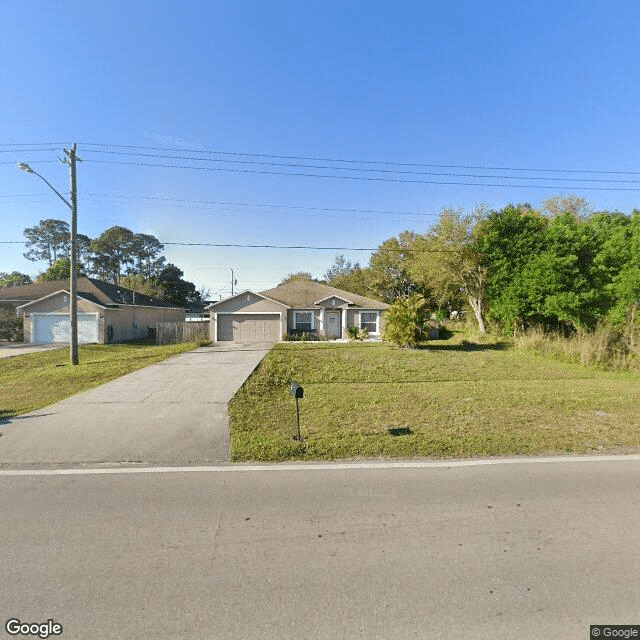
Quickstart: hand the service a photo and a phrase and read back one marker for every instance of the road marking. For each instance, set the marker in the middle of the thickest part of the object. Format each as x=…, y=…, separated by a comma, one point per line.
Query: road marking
x=325, y=466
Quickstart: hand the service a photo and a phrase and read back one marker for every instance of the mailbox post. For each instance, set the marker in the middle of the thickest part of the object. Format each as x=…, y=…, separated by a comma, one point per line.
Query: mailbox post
x=297, y=392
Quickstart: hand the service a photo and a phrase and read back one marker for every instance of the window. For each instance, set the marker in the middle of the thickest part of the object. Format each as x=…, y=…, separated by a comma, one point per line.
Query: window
x=303, y=320
x=369, y=321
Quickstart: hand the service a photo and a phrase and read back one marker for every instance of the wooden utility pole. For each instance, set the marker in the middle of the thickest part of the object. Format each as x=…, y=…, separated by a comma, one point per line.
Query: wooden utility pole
x=73, y=258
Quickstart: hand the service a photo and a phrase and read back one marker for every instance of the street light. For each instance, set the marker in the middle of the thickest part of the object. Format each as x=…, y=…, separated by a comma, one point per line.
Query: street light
x=73, y=205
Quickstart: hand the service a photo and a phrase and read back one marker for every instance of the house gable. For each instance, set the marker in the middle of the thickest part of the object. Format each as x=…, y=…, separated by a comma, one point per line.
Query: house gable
x=248, y=302
x=331, y=302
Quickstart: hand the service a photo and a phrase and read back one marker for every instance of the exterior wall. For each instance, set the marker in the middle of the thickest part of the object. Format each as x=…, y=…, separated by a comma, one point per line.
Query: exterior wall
x=58, y=303
x=350, y=317
x=132, y=322
x=248, y=302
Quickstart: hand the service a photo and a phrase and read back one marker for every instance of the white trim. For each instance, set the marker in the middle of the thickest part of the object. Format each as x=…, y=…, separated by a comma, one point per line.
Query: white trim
x=335, y=296
x=377, y=331
x=313, y=317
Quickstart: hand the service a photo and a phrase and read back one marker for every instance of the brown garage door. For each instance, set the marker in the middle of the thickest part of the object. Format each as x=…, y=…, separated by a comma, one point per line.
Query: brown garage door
x=249, y=327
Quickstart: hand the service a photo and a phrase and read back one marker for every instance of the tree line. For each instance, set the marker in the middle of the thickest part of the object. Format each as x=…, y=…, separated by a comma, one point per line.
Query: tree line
x=118, y=255
x=561, y=267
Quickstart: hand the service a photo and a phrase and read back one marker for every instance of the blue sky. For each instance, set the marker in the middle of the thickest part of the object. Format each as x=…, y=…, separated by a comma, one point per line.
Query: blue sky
x=521, y=85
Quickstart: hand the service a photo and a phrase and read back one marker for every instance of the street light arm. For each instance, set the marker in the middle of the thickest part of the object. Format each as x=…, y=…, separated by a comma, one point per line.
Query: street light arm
x=53, y=189
x=23, y=166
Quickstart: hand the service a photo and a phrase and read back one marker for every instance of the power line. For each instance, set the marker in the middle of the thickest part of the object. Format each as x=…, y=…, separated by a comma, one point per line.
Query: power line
x=390, y=163
x=273, y=246
x=395, y=171
x=152, y=199
x=363, y=178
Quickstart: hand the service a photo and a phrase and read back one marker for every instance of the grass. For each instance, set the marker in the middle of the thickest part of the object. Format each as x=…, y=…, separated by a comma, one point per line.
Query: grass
x=453, y=399
x=35, y=380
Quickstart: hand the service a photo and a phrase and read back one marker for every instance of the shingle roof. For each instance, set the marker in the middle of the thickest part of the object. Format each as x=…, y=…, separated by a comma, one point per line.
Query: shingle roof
x=103, y=293
x=303, y=294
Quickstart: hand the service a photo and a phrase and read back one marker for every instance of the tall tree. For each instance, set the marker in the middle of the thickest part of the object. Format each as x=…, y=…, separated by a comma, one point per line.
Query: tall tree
x=48, y=241
x=60, y=270
x=340, y=267
x=389, y=268
x=148, y=286
x=448, y=261
x=14, y=279
x=360, y=281
x=299, y=276
x=146, y=251
x=178, y=291
x=113, y=253
x=576, y=205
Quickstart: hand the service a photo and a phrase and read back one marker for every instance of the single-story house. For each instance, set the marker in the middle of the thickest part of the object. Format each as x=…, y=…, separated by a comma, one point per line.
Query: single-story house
x=106, y=312
x=294, y=307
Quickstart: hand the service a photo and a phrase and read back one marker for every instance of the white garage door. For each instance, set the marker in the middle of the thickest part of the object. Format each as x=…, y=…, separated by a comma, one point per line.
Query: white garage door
x=263, y=327
x=56, y=327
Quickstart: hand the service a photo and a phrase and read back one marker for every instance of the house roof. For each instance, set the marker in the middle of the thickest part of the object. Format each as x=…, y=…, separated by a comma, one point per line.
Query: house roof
x=103, y=293
x=242, y=293
x=304, y=294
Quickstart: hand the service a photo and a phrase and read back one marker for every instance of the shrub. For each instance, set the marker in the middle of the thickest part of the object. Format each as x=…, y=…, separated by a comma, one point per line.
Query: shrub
x=352, y=332
x=297, y=337
x=11, y=326
x=407, y=321
x=363, y=334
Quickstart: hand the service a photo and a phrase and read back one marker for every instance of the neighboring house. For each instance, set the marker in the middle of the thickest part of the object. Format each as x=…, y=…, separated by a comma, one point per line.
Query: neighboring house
x=294, y=307
x=106, y=312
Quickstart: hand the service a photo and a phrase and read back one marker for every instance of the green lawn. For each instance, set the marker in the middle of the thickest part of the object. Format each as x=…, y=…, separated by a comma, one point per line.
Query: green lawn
x=452, y=399
x=35, y=380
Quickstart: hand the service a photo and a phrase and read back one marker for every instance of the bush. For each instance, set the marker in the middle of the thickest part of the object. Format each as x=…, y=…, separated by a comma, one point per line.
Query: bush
x=296, y=337
x=11, y=326
x=407, y=321
x=352, y=332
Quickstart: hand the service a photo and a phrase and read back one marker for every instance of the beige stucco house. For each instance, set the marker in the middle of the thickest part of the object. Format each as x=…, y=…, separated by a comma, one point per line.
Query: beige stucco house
x=106, y=312
x=308, y=306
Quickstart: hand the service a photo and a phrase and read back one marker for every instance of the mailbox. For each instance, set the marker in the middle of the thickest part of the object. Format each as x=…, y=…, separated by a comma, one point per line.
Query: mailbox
x=296, y=390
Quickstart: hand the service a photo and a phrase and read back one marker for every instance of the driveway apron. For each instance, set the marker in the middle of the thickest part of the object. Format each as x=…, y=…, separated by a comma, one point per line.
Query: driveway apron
x=172, y=412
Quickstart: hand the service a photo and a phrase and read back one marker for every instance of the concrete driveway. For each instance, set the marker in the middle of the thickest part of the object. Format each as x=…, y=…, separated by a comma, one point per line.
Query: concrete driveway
x=172, y=412
x=8, y=349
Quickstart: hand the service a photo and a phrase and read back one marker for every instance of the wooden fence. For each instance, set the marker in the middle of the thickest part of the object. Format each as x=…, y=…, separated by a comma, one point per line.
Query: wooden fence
x=173, y=332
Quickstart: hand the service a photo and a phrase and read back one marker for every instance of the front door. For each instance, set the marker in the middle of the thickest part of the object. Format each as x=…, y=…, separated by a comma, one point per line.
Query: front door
x=332, y=324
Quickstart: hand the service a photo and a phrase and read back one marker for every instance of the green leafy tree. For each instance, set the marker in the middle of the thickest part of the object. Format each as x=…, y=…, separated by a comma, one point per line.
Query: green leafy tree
x=178, y=291
x=388, y=267
x=509, y=239
x=360, y=281
x=407, y=321
x=146, y=251
x=14, y=279
x=148, y=286
x=85, y=255
x=60, y=270
x=299, y=276
x=340, y=267
x=11, y=326
x=113, y=253
x=448, y=262
x=47, y=241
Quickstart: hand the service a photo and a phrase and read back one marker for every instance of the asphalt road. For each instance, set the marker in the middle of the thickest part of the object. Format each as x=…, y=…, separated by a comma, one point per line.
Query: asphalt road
x=519, y=551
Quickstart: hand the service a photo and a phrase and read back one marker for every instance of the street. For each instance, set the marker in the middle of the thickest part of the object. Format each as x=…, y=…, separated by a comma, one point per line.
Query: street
x=516, y=550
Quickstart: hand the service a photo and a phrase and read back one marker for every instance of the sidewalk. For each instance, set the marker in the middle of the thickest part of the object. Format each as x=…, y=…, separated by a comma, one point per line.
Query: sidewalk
x=172, y=412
